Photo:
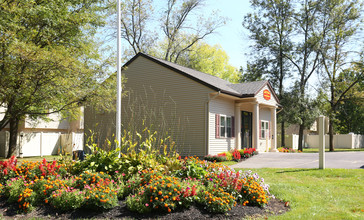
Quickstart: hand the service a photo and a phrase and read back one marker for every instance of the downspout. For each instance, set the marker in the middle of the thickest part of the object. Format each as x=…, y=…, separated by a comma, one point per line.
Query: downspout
x=207, y=120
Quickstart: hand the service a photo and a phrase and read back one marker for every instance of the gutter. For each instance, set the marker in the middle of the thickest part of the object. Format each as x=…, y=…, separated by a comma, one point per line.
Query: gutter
x=207, y=120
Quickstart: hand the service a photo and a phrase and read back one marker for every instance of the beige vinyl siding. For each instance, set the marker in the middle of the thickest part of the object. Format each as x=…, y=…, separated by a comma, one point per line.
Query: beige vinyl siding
x=169, y=102
x=100, y=125
x=222, y=106
x=261, y=99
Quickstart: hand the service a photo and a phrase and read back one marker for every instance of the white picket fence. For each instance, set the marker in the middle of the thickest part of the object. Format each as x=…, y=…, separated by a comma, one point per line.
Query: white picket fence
x=341, y=141
x=42, y=143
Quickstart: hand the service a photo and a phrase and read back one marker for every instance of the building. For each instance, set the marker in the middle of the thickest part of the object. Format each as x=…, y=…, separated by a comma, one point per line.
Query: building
x=40, y=137
x=203, y=113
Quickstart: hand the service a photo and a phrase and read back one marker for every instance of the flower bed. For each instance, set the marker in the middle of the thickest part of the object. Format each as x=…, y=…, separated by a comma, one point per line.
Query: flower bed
x=288, y=150
x=236, y=155
x=148, y=185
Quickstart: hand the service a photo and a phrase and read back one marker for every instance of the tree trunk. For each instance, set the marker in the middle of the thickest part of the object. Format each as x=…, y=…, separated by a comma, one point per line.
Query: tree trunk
x=300, y=138
x=283, y=142
x=331, y=134
x=13, y=140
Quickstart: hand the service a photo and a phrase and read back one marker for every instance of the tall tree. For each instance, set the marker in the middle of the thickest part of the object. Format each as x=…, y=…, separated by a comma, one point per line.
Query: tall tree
x=135, y=18
x=210, y=59
x=271, y=26
x=48, y=61
x=341, y=20
x=181, y=34
x=305, y=55
x=255, y=71
x=350, y=110
x=180, y=27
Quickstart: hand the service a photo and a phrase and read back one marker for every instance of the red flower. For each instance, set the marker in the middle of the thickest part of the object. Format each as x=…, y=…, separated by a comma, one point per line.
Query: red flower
x=193, y=192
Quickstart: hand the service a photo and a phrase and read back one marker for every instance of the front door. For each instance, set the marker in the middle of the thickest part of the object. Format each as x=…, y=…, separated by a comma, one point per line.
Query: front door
x=246, y=129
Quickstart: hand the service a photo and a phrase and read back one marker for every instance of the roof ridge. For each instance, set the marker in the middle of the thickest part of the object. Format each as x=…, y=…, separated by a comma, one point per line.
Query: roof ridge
x=172, y=63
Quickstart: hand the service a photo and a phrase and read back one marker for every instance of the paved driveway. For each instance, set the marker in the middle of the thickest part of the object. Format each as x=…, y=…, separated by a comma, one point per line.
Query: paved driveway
x=347, y=160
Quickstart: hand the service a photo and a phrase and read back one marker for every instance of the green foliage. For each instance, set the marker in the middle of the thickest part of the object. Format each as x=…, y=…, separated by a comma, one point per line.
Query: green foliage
x=49, y=60
x=180, y=33
x=342, y=20
x=66, y=199
x=216, y=158
x=228, y=155
x=304, y=112
x=137, y=203
x=144, y=151
x=216, y=200
x=101, y=161
x=347, y=111
x=191, y=170
x=13, y=189
x=162, y=193
x=211, y=185
x=270, y=26
x=212, y=60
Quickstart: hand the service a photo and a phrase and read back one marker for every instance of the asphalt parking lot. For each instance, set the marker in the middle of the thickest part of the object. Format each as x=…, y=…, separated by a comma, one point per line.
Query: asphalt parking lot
x=346, y=160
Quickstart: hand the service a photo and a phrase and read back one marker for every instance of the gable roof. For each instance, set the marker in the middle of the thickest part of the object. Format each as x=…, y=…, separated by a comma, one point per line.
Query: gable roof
x=241, y=90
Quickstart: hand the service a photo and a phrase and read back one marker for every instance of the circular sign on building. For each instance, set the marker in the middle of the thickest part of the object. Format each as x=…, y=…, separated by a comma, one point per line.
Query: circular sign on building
x=266, y=94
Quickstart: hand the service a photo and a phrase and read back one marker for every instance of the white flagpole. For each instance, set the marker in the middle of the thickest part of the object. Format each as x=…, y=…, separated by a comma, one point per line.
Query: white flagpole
x=119, y=89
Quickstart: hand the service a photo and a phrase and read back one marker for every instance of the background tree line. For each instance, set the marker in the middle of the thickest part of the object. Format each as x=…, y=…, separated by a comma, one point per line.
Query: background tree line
x=297, y=40
x=51, y=59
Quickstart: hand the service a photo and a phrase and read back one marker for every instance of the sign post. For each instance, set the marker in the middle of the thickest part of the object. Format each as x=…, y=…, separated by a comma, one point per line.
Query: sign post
x=322, y=142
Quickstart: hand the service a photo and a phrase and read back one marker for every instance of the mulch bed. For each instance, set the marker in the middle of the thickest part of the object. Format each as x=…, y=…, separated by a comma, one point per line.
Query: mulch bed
x=274, y=207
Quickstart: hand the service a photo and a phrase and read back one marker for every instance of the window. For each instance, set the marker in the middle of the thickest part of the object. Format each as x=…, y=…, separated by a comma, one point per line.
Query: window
x=264, y=129
x=224, y=126
x=228, y=126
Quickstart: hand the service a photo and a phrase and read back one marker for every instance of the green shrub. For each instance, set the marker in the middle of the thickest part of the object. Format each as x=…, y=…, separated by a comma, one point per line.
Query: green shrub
x=101, y=197
x=216, y=200
x=99, y=161
x=191, y=169
x=67, y=199
x=18, y=192
x=164, y=193
x=229, y=156
x=216, y=158
x=137, y=203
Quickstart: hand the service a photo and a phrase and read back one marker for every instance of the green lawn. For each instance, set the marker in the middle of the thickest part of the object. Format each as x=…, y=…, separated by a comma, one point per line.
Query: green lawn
x=318, y=194
x=315, y=150
x=228, y=163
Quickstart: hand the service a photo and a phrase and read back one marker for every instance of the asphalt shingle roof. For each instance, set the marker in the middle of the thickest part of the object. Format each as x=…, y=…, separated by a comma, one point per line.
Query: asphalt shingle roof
x=248, y=89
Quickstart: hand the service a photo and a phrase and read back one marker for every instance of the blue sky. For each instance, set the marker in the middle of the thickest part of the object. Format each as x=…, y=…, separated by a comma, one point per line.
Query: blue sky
x=233, y=37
